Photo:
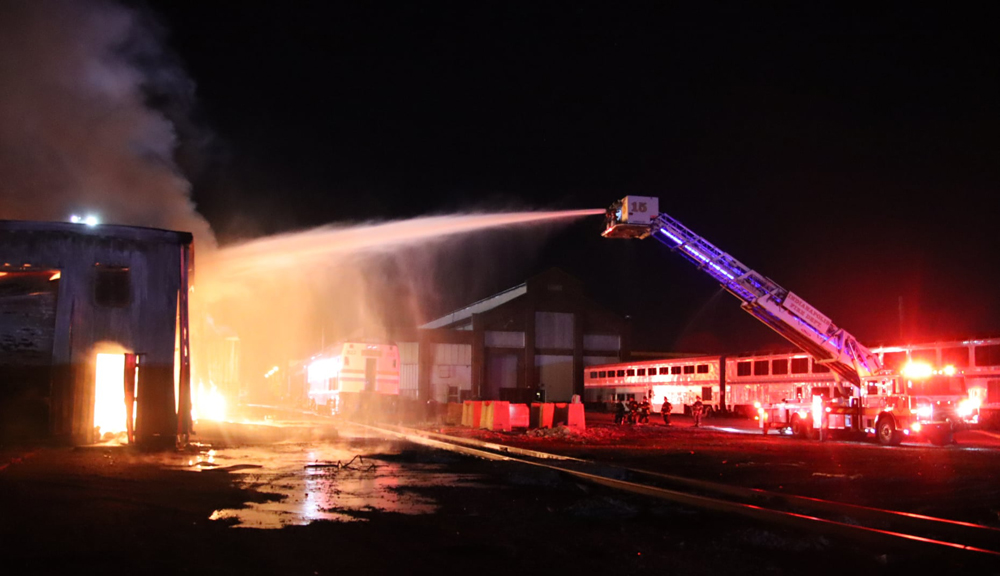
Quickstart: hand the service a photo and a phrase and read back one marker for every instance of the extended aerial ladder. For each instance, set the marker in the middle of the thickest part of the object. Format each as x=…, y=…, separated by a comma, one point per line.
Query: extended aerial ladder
x=891, y=405
x=781, y=310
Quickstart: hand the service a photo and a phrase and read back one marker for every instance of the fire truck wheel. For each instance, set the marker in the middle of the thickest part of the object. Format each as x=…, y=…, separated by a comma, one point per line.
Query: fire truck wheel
x=887, y=433
x=942, y=438
x=799, y=429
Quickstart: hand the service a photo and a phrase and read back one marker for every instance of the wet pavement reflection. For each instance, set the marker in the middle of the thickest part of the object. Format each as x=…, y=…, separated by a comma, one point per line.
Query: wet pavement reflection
x=336, y=480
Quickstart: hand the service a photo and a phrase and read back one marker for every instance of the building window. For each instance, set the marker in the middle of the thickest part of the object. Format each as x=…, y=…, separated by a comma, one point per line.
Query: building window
x=800, y=365
x=761, y=367
x=779, y=366
x=743, y=368
x=702, y=368
x=112, y=287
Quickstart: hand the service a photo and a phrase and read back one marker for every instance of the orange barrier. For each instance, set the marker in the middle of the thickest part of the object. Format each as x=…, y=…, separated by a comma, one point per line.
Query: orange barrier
x=454, y=414
x=495, y=415
x=569, y=415
x=541, y=415
x=520, y=416
x=472, y=413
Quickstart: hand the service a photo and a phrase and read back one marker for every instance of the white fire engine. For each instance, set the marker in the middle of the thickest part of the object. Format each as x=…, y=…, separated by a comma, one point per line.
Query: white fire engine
x=352, y=368
x=920, y=401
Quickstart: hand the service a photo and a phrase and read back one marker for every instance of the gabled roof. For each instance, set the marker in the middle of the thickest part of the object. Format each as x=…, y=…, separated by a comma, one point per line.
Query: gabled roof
x=464, y=315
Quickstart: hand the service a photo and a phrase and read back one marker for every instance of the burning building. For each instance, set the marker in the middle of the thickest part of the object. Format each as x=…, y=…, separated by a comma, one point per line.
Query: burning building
x=94, y=332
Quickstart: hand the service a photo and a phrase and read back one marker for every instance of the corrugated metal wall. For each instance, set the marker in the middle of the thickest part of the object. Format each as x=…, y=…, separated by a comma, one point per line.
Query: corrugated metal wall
x=602, y=342
x=452, y=369
x=409, y=369
x=555, y=375
x=553, y=330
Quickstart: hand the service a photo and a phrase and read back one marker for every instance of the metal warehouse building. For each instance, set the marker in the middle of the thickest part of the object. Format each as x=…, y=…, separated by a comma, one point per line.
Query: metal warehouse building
x=537, y=336
x=93, y=332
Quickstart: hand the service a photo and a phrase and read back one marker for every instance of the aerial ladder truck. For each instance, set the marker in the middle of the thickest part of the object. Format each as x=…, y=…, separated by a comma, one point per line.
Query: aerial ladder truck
x=917, y=402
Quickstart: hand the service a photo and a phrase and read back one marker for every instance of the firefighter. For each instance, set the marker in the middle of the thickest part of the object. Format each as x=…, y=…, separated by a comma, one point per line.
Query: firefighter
x=633, y=411
x=620, y=412
x=665, y=411
x=696, y=410
x=644, y=409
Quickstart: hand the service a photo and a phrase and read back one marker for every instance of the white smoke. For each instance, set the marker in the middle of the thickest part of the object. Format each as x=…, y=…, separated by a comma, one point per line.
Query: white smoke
x=76, y=132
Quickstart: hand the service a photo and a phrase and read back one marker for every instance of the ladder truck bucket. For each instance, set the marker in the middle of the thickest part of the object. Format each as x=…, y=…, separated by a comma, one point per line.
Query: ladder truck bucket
x=631, y=217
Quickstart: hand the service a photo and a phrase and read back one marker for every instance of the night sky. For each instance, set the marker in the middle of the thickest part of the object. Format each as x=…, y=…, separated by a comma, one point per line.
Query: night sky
x=850, y=155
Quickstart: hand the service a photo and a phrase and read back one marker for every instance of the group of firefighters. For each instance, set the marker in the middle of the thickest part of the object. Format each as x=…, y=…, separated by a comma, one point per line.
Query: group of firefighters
x=632, y=412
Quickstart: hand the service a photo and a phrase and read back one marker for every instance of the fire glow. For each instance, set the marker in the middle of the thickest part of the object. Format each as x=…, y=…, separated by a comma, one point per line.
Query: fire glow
x=207, y=403
x=109, y=393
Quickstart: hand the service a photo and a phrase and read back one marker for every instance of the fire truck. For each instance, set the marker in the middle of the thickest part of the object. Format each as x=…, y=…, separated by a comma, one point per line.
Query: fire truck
x=344, y=373
x=865, y=399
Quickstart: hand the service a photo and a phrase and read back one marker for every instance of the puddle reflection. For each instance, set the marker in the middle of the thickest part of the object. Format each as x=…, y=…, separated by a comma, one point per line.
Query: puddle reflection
x=326, y=482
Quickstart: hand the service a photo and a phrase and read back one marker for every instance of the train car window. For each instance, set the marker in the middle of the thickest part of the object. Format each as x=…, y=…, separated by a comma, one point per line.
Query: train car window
x=702, y=369
x=630, y=372
x=800, y=365
x=641, y=372
x=621, y=373
x=957, y=357
x=893, y=360
x=664, y=370
x=689, y=369
x=706, y=393
x=820, y=368
x=761, y=367
x=821, y=391
x=675, y=369
x=743, y=368
x=928, y=355
x=602, y=374
x=593, y=374
x=988, y=355
x=779, y=366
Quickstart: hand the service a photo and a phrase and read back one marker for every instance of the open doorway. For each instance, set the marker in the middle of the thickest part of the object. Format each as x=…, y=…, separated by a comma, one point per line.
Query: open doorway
x=116, y=379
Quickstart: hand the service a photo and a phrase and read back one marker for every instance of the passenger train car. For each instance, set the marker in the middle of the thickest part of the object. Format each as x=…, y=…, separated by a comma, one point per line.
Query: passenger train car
x=681, y=381
x=736, y=383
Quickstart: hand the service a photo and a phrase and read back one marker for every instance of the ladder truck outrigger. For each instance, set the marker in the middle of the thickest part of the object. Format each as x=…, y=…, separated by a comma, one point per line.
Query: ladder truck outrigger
x=866, y=399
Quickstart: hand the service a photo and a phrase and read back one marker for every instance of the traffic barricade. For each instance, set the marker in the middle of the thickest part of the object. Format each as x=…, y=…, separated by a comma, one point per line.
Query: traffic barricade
x=569, y=415
x=541, y=415
x=520, y=416
x=495, y=415
x=472, y=413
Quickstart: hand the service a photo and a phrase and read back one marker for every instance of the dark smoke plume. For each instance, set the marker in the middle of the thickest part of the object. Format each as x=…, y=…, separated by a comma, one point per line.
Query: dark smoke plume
x=78, y=133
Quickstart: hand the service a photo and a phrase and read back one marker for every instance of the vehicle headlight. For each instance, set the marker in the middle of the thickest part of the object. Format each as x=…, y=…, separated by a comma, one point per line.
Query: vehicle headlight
x=967, y=407
x=925, y=411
